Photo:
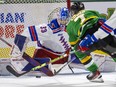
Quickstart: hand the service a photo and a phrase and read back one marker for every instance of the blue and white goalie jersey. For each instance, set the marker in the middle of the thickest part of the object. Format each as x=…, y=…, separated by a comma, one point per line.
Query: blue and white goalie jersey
x=52, y=39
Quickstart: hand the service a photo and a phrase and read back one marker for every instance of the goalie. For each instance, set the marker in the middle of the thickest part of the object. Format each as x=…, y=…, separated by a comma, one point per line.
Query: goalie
x=52, y=40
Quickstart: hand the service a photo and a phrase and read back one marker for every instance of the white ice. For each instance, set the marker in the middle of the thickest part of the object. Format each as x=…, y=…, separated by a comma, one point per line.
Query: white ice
x=64, y=79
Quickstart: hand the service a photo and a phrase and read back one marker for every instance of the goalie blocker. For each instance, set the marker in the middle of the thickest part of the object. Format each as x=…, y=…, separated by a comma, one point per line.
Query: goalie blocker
x=19, y=46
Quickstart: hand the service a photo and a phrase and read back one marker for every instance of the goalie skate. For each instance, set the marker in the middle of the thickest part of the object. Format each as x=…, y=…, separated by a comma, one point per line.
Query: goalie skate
x=95, y=77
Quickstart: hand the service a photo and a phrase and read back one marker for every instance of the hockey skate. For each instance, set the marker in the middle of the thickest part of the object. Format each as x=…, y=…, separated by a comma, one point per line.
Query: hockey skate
x=95, y=77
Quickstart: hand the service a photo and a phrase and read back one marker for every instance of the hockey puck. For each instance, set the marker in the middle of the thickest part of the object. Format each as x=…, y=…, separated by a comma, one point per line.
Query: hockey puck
x=38, y=76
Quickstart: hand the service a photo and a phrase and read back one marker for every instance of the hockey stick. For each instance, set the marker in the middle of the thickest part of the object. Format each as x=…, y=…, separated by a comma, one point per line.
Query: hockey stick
x=6, y=42
x=12, y=70
x=67, y=63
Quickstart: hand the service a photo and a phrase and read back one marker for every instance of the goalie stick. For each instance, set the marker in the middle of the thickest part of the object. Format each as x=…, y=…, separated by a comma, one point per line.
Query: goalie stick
x=12, y=70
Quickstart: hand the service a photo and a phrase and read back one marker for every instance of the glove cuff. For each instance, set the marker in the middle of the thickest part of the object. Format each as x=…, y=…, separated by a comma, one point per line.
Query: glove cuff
x=94, y=39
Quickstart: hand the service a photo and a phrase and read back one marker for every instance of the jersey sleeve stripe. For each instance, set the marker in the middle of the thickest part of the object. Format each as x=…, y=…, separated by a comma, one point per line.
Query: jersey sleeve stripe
x=106, y=28
x=33, y=33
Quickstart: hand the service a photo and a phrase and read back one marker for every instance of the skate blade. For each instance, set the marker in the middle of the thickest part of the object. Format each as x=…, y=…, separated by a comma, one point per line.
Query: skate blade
x=98, y=80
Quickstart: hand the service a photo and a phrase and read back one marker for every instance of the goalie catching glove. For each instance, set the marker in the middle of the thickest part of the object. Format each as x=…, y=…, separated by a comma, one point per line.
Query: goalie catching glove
x=86, y=42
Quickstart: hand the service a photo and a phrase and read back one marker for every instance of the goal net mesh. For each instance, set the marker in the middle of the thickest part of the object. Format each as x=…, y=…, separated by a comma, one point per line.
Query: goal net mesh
x=31, y=1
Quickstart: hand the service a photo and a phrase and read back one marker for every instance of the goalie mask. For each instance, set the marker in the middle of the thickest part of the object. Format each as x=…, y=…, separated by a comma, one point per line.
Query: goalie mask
x=64, y=16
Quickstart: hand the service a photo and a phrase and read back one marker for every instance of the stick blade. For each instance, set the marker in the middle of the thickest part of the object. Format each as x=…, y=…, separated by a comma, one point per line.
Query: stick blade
x=12, y=71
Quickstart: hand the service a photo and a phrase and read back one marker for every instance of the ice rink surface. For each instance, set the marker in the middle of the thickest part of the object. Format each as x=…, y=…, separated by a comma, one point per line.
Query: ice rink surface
x=64, y=79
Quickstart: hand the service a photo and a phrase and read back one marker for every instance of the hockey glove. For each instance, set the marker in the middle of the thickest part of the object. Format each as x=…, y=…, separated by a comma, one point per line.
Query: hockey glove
x=86, y=42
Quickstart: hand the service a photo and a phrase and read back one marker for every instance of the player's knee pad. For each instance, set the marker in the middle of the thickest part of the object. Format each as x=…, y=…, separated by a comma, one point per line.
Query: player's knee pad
x=20, y=43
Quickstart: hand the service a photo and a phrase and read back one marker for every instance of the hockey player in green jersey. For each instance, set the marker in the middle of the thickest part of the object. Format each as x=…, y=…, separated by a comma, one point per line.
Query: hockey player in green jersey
x=84, y=22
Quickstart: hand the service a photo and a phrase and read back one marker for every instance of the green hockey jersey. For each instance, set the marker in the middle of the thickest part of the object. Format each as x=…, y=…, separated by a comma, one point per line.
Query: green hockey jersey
x=80, y=23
